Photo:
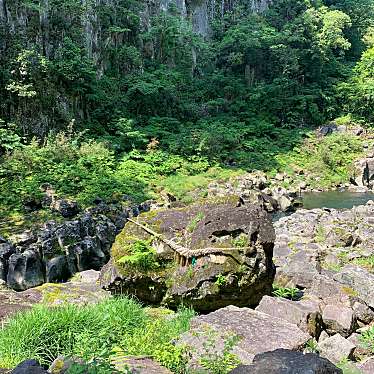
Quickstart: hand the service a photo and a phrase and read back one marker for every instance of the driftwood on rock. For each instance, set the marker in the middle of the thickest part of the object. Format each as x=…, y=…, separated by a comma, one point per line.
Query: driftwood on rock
x=184, y=255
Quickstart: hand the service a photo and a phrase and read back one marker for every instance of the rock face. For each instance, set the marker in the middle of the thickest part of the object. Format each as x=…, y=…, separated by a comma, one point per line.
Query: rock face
x=29, y=367
x=6, y=250
x=25, y=270
x=305, y=314
x=227, y=256
x=59, y=250
x=288, y=362
x=365, y=172
x=258, y=333
x=336, y=348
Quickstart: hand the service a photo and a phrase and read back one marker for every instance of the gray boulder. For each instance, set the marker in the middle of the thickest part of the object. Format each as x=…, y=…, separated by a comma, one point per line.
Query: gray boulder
x=359, y=280
x=258, y=333
x=305, y=314
x=225, y=256
x=367, y=367
x=339, y=318
x=29, y=367
x=67, y=208
x=25, y=271
x=363, y=313
x=336, y=348
x=283, y=361
x=327, y=130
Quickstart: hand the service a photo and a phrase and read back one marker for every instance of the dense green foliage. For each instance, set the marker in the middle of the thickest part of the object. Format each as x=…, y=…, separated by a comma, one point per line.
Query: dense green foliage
x=105, y=332
x=157, y=105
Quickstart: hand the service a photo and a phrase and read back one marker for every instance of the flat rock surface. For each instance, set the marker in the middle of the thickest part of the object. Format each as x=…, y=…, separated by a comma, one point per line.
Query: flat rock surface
x=338, y=318
x=83, y=289
x=360, y=280
x=336, y=348
x=304, y=314
x=257, y=332
x=12, y=302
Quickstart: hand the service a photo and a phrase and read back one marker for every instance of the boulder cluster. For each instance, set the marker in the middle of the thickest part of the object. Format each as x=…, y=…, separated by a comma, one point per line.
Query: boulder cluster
x=258, y=188
x=222, y=256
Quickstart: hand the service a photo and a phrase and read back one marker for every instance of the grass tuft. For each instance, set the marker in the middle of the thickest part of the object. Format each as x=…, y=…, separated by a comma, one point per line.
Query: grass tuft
x=91, y=332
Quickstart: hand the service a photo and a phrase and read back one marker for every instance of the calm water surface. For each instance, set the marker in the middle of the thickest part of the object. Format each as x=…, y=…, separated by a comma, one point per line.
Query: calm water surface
x=335, y=199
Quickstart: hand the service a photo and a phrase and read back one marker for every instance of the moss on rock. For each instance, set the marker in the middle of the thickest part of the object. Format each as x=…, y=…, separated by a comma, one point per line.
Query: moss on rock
x=242, y=234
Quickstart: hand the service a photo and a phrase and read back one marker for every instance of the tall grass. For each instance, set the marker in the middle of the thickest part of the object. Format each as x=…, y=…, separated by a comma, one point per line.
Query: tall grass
x=89, y=332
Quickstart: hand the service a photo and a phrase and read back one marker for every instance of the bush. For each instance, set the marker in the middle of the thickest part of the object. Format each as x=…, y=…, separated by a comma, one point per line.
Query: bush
x=75, y=168
x=156, y=338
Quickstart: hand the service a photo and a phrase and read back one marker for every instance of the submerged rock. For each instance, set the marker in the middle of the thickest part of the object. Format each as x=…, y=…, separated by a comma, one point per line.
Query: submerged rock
x=224, y=256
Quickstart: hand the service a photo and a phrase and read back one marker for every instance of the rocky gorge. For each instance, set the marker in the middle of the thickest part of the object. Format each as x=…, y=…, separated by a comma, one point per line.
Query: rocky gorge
x=320, y=262
x=293, y=289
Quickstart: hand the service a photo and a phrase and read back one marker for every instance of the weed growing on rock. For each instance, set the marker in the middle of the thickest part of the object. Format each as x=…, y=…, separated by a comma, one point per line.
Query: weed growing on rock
x=311, y=346
x=320, y=235
x=221, y=280
x=286, y=292
x=194, y=222
x=219, y=362
x=241, y=241
x=366, y=262
x=141, y=256
x=155, y=339
x=367, y=339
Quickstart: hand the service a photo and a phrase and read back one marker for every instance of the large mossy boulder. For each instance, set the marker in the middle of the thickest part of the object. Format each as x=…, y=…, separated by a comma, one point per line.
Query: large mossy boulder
x=225, y=256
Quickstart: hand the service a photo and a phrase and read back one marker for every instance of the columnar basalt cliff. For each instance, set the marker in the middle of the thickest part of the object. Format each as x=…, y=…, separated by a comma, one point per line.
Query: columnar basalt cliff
x=57, y=251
